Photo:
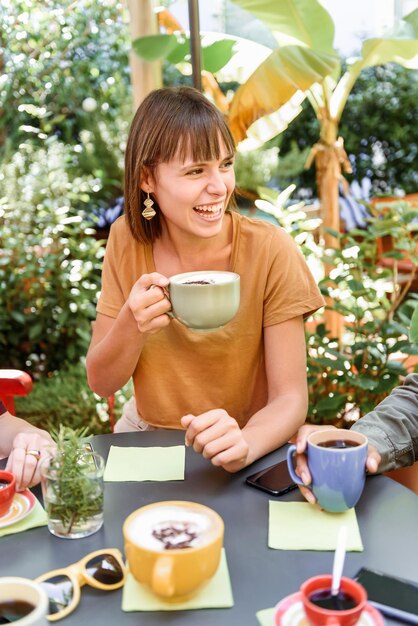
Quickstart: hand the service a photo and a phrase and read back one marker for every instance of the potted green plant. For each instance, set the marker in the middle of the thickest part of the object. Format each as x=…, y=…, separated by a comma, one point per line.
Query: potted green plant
x=72, y=485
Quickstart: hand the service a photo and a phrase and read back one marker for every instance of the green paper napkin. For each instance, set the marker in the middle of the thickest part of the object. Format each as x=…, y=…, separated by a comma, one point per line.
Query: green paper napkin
x=137, y=464
x=217, y=593
x=266, y=617
x=37, y=517
x=301, y=526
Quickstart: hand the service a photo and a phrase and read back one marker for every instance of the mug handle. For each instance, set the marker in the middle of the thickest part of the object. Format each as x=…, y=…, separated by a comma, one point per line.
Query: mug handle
x=290, y=467
x=167, y=295
x=162, y=577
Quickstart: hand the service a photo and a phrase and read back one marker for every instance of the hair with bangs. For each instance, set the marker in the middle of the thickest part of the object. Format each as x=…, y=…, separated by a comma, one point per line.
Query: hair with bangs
x=173, y=122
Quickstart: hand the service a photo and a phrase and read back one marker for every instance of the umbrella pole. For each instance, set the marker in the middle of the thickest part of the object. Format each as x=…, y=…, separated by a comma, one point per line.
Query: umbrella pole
x=195, y=43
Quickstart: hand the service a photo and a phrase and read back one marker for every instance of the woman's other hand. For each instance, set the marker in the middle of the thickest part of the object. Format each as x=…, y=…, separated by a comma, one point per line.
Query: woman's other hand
x=217, y=437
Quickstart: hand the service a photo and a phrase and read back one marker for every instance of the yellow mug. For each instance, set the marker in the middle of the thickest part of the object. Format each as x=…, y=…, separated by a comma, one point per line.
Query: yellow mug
x=173, y=547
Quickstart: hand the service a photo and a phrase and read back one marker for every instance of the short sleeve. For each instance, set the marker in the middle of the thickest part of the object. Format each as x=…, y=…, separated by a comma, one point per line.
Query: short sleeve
x=111, y=298
x=291, y=289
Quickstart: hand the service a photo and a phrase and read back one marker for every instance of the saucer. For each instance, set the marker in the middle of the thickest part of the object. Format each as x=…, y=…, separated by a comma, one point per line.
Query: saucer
x=289, y=612
x=22, y=505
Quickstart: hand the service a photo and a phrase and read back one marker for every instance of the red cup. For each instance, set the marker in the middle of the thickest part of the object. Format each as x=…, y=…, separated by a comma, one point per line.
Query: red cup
x=7, y=491
x=319, y=616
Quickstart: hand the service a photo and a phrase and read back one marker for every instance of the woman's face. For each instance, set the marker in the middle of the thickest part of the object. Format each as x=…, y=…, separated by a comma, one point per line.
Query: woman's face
x=193, y=196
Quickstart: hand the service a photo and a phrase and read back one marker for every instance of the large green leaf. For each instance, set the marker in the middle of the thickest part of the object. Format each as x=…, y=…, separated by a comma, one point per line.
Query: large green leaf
x=176, y=48
x=413, y=331
x=295, y=22
x=154, y=47
x=412, y=21
x=285, y=72
x=218, y=54
x=181, y=52
x=380, y=51
x=375, y=52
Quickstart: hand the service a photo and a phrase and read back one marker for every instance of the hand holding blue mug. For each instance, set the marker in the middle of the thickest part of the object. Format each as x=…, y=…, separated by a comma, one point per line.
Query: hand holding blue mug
x=337, y=464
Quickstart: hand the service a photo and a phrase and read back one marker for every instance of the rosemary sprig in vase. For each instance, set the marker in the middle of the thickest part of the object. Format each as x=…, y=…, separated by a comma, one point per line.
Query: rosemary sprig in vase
x=72, y=484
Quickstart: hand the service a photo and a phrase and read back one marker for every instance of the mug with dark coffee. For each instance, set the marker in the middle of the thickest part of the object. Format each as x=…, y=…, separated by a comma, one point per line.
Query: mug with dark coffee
x=205, y=300
x=22, y=602
x=173, y=547
x=321, y=607
x=337, y=464
x=7, y=491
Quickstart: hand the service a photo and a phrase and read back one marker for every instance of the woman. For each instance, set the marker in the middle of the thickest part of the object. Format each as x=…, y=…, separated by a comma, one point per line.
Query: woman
x=241, y=391
x=25, y=445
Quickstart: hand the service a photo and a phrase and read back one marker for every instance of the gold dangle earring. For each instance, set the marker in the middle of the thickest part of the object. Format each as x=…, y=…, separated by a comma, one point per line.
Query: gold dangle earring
x=148, y=212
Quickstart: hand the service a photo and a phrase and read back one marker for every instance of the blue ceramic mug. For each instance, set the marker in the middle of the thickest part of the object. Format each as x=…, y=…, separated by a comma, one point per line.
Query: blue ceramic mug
x=337, y=464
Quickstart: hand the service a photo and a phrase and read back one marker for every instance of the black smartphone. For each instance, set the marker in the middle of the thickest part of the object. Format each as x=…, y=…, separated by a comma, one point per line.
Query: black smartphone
x=393, y=596
x=275, y=479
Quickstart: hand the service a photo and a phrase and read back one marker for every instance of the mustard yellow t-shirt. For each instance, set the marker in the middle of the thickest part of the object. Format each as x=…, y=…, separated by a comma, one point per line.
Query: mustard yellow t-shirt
x=182, y=371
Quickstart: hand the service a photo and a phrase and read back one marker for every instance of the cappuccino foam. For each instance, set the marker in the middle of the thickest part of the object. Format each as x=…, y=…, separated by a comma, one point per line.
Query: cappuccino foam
x=172, y=527
x=192, y=278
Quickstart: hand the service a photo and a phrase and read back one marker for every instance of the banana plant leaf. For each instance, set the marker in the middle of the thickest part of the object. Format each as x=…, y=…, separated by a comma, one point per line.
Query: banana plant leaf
x=374, y=52
x=295, y=22
x=285, y=72
x=412, y=21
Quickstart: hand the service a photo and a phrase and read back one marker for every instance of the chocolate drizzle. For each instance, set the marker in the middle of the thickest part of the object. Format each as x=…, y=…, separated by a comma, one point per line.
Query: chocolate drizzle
x=199, y=282
x=176, y=535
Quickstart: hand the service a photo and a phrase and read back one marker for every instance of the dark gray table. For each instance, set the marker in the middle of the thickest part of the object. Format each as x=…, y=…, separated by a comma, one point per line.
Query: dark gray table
x=387, y=515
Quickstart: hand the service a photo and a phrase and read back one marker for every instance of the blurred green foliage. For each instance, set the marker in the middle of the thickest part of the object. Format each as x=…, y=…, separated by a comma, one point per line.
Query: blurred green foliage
x=352, y=375
x=50, y=262
x=65, y=73
x=64, y=397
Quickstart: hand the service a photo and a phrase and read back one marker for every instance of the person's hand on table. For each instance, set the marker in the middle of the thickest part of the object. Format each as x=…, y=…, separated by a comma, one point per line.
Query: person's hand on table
x=301, y=465
x=218, y=437
x=29, y=449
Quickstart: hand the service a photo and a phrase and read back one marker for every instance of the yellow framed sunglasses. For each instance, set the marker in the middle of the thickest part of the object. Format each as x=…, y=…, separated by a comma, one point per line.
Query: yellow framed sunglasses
x=103, y=569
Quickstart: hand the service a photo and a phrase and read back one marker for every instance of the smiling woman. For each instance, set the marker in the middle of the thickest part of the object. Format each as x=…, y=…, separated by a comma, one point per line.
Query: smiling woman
x=239, y=391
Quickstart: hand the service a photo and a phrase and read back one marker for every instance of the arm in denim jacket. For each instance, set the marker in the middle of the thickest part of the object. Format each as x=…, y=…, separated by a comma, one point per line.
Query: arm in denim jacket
x=392, y=427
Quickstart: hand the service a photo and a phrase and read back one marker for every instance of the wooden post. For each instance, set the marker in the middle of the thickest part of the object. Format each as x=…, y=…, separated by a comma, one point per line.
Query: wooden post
x=328, y=169
x=145, y=75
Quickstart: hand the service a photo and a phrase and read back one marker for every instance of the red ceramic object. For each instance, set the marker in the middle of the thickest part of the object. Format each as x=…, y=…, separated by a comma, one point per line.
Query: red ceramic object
x=318, y=616
x=7, y=491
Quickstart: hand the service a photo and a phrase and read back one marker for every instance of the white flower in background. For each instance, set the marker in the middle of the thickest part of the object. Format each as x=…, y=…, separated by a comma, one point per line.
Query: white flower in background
x=89, y=105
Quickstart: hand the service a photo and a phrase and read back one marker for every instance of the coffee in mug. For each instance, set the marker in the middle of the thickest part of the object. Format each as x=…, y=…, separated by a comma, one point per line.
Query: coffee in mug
x=14, y=610
x=338, y=443
x=321, y=607
x=22, y=602
x=173, y=547
x=205, y=300
x=337, y=464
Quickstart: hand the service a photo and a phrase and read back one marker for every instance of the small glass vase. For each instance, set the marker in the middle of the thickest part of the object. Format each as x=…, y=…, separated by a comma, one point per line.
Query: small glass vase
x=72, y=490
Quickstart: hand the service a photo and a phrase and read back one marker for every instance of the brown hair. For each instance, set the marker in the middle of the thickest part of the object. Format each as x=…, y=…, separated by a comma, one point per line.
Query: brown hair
x=169, y=123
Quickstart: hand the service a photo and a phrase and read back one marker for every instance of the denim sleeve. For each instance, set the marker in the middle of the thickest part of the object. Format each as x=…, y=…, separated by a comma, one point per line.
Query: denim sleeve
x=393, y=426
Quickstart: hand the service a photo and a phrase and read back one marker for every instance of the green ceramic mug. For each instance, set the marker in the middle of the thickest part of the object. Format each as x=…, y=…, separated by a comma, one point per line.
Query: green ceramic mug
x=205, y=300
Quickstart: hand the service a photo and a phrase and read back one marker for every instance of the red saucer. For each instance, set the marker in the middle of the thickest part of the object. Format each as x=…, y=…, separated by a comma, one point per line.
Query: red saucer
x=289, y=612
x=22, y=505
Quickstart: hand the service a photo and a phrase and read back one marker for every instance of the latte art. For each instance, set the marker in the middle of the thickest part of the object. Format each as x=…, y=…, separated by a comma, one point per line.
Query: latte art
x=199, y=282
x=176, y=535
x=172, y=528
